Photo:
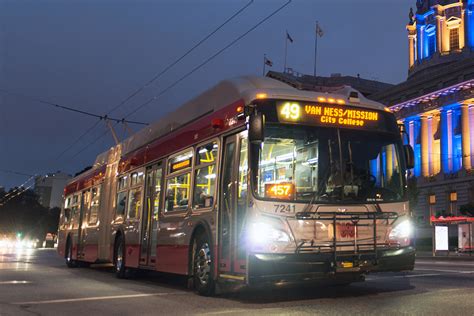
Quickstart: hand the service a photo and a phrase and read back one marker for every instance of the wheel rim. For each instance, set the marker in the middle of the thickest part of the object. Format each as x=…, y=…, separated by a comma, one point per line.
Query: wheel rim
x=203, y=263
x=119, y=260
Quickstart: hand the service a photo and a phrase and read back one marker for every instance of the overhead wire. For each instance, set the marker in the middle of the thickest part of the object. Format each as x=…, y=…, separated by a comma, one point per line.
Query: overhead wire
x=162, y=72
x=134, y=93
x=208, y=60
x=197, y=67
x=68, y=108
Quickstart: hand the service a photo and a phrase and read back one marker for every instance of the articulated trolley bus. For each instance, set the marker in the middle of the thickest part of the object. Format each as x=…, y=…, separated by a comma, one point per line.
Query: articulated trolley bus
x=252, y=182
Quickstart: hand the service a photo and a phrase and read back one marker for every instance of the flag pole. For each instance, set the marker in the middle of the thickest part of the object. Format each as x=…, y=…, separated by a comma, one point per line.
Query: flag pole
x=286, y=49
x=315, y=49
x=264, y=63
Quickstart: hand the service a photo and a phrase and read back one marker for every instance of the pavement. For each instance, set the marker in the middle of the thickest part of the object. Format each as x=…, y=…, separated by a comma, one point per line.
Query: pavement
x=38, y=282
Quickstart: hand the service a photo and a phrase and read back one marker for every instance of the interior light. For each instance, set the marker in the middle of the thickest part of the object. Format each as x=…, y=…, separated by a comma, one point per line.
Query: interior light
x=331, y=100
x=261, y=96
x=340, y=101
x=321, y=99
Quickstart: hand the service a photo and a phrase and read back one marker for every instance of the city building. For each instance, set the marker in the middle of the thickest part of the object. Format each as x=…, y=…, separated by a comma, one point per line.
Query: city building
x=436, y=105
x=50, y=188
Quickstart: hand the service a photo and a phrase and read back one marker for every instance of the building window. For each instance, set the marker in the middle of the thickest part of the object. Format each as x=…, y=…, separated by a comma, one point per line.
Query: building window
x=454, y=38
x=431, y=44
x=432, y=205
x=452, y=198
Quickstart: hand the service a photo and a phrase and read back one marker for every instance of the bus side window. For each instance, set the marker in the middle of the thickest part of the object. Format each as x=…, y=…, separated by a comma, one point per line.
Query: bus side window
x=178, y=181
x=134, y=203
x=121, y=204
x=94, y=210
x=121, y=201
x=205, y=176
x=67, y=211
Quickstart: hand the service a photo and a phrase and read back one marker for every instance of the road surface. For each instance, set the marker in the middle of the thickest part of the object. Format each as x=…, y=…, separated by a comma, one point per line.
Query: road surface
x=38, y=282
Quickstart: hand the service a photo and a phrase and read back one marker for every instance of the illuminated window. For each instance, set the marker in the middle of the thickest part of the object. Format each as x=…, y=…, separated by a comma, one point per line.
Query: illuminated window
x=454, y=38
x=134, y=203
x=121, y=204
x=122, y=182
x=452, y=205
x=94, y=205
x=205, y=176
x=432, y=199
x=137, y=178
x=177, y=192
x=453, y=196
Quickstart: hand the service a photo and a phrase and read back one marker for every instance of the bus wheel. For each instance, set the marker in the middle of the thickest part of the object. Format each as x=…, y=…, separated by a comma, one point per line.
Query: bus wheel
x=203, y=266
x=71, y=263
x=119, y=258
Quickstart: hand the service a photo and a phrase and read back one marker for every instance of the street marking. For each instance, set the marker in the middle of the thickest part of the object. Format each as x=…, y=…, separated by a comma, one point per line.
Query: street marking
x=448, y=271
x=97, y=298
x=15, y=282
x=445, y=263
x=403, y=276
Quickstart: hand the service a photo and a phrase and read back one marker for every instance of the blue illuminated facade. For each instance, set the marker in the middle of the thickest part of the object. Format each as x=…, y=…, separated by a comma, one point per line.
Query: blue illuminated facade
x=436, y=105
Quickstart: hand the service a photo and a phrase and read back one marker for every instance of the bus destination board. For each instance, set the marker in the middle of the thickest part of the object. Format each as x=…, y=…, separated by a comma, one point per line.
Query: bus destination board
x=327, y=115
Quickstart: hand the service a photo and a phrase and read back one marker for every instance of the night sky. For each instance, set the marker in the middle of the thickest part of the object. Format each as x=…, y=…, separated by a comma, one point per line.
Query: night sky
x=92, y=54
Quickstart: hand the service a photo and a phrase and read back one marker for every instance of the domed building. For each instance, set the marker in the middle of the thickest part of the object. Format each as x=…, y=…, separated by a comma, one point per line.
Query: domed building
x=436, y=105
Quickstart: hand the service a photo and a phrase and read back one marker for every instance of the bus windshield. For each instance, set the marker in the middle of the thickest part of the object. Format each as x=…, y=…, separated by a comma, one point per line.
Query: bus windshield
x=319, y=164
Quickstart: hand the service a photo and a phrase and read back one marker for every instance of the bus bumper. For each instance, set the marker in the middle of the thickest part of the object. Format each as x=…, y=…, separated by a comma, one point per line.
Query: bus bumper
x=276, y=268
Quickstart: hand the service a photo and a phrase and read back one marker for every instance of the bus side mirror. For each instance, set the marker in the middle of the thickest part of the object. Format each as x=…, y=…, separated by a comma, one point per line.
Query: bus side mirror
x=409, y=156
x=256, y=128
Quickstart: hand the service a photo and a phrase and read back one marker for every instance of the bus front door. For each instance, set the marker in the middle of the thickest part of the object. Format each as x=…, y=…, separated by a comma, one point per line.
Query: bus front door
x=233, y=206
x=149, y=226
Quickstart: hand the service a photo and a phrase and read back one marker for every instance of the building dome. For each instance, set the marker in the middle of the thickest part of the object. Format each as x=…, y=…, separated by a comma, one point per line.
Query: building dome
x=440, y=33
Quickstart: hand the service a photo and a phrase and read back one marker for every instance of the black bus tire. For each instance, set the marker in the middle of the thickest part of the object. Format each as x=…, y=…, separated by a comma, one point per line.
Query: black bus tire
x=70, y=263
x=203, y=265
x=119, y=258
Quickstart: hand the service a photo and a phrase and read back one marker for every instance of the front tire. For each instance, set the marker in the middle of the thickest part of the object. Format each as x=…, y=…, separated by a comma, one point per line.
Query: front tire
x=119, y=258
x=203, y=266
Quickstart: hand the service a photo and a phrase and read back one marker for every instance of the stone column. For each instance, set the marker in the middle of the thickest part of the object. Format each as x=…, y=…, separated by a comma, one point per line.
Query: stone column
x=471, y=121
x=425, y=154
x=411, y=50
x=466, y=137
x=446, y=142
x=439, y=34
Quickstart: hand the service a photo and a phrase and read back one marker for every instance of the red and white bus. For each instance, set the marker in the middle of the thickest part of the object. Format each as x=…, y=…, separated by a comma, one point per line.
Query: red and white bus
x=251, y=182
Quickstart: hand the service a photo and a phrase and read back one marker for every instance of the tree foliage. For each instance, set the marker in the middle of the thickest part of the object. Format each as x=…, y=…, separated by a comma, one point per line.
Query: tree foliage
x=25, y=215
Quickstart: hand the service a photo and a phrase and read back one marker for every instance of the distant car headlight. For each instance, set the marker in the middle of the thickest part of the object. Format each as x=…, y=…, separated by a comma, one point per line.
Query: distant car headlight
x=261, y=233
x=401, y=233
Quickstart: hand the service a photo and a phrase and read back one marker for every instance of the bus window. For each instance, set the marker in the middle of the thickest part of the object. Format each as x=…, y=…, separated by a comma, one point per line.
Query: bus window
x=205, y=176
x=121, y=204
x=178, y=181
x=122, y=182
x=137, y=178
x=177, y=192
x=134, y=203
x=86, y=205
x=67, y=210
x=94, y=205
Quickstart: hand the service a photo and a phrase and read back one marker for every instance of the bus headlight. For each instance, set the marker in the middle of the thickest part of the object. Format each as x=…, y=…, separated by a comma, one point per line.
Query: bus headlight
x=261, y=233
x=402, y=233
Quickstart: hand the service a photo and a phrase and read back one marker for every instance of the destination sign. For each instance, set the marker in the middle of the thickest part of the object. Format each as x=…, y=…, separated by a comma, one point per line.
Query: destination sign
x=327, y=115
x=180, y=165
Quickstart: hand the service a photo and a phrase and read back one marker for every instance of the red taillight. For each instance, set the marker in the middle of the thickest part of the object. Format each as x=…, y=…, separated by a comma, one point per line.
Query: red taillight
x=217, y=123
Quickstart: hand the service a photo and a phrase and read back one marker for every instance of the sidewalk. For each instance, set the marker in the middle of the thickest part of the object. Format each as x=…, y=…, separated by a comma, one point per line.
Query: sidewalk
x=453, y=256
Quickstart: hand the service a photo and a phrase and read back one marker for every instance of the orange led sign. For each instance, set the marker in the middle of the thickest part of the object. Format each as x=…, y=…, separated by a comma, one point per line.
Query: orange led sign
x=181, y=165
x=283, y=190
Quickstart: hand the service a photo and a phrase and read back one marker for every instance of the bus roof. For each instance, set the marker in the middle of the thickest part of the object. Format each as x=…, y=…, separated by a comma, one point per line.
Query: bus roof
x=224, y=93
